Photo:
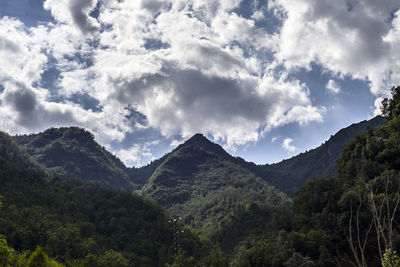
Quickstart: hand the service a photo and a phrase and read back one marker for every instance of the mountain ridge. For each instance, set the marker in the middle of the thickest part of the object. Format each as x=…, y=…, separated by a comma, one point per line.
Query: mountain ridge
x=287, y=175
x=72, y=153
x=198, y=180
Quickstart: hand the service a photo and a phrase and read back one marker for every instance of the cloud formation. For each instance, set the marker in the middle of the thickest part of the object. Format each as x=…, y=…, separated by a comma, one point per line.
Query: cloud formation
x=332, y=87
x=190, y=66
x=137, y=155
x=75, y=12
x=353, y=38
x=287, y=145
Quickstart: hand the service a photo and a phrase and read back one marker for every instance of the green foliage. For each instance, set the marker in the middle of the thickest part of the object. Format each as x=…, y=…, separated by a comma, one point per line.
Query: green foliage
x=390, y=259
x=71, y=220
x=289, y=175
x=38, y=258
x=7, y=253
x=72, y=153
x=110, y=258
x=298, y=260
x=10, y=151
x=225, y=199
x=333, y=222
x=182, y=260
x=215, y=193
x=391, y=107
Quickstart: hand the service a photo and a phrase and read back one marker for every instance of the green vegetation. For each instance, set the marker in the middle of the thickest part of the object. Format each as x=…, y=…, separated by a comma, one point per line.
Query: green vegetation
x=349, y=220
x=72, y=153
x=219, y=198
x=237, y=218
x=289, y=175
x=82, y=224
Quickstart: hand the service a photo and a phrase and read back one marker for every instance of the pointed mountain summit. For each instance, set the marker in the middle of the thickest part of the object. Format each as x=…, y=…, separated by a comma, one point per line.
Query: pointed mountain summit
x=198, y=138
x=202, y=183
x=200, y=142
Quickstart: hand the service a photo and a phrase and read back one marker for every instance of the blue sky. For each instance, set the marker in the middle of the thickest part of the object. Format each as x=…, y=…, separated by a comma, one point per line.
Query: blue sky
x=265, y=79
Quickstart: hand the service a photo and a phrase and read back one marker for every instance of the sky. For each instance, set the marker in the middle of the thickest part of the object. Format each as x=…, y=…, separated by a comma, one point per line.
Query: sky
x=266, y=79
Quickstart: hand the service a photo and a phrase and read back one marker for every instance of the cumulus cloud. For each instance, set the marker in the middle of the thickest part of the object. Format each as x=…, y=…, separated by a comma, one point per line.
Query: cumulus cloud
x=137, y=155
x=377, y=106
x=190, y=66
x=74, y=12
x=201, y=82
x=332, y=87
x=287, y=145
x=25, y=106
x=354, y=38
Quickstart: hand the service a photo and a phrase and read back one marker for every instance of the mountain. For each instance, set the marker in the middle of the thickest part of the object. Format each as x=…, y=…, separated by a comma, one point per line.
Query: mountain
x=289, y=175
x=74, y=154
x=220, y=196
x=10, y=151
x=202, y=183
x=83, y=224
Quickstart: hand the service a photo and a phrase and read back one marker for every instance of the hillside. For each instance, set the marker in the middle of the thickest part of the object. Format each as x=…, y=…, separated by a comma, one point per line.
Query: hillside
x=289, y=175
x=202, y=183
x=222, y=197
x=83, y=224
x=347, y=220
x=73, y=153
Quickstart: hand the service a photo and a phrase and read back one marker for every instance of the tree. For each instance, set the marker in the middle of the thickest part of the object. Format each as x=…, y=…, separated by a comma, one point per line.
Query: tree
x=384, y=205
x=40, y=259
x=390, y=259
x=6, y=253
x=182, y=260
x=391, y=107
x=358, y=238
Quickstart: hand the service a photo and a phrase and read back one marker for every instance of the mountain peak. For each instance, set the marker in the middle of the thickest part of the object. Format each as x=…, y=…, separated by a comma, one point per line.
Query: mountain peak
x=199, y=142
x=198, y=139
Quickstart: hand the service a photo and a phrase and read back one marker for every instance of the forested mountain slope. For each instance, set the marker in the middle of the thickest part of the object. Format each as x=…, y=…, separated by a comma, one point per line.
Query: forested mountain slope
x=288, y=175
x=73, y=153
x=347, y=220
x=204, y=184
x=83, y=224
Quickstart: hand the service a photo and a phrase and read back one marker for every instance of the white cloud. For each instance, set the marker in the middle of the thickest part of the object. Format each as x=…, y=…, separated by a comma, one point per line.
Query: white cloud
x=202, y=81
x=273, y=140
x=27, y=107
x=191, y=66
x=287, y=145
x=74, y=12
x=377, y=106
x=332, y=87
x=174, y=143
x=22, y=56
x=348, y=38
x=137, y=155
x=258, y=15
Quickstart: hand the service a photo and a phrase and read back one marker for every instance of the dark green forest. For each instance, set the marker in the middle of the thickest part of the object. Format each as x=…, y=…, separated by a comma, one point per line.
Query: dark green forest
x=66, y=201
x=83, y=224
